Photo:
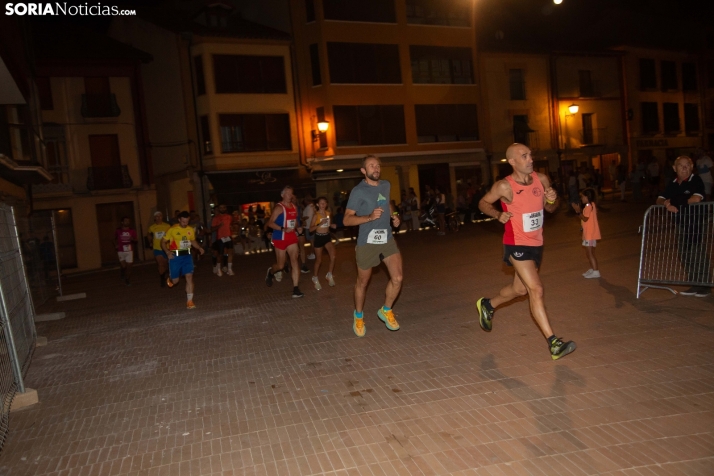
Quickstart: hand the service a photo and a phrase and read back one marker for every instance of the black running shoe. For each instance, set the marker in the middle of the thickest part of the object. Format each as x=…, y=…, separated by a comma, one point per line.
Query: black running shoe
x=559, y=349
x=269, y=277
x=484, y=315
x=304, y=269
x=297, y=293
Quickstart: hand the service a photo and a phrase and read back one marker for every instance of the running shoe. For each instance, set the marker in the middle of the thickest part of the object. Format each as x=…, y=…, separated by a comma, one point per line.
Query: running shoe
x=593, y=275
x=169, y=283
x=484, y=316
x=358, y=326
x=330, y=279
x=219, y=273
x=304, y=269
x=297, y=293
x=190, y=305
x=703, y=292
x=690, y=292
x=225, y=269
x=278, y=276
x=311, y=256
x=269, y=277
x=587, y=273
x=388, y=318
x=559, y=349
x=230, y=272
x=317, y=283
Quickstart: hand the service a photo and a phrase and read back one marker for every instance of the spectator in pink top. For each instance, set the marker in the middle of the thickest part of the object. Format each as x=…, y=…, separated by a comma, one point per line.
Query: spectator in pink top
x=125, y=239
x=591, y=229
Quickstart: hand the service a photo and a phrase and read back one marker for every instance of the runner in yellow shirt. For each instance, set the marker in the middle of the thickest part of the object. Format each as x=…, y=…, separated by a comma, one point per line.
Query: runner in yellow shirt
x=156, y=233
x=177, y=244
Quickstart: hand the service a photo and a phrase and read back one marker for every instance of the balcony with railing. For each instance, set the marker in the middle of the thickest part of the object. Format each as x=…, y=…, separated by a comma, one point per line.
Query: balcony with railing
x=594, y=136
x=100, y=105
x=108, y=178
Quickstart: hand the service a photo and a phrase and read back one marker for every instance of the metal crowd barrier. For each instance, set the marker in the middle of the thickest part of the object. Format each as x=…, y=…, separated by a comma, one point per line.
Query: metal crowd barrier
x=17, y=316
x=677, y=248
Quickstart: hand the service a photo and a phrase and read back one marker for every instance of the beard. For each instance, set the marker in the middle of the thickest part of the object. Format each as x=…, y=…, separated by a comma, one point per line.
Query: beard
x=374, y=176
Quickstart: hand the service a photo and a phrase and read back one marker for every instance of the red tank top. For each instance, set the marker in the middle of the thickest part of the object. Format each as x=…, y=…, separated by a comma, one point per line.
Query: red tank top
x=525, y=228
x=287, y=219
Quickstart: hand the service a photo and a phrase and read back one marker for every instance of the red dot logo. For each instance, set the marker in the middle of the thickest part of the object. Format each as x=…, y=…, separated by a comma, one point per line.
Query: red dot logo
x=537, y=192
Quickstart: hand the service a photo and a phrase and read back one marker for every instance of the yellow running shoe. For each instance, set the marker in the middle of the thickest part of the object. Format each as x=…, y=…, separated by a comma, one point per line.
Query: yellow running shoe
x=358, y=326
x=190, y=305
x=388, y=318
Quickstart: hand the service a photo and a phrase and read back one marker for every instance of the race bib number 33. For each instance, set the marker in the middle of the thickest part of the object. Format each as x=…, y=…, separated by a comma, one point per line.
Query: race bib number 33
x=377, y=237
x=533, y=221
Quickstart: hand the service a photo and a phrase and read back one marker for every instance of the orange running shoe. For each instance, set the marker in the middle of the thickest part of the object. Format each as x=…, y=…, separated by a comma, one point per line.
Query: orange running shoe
x=190, y=305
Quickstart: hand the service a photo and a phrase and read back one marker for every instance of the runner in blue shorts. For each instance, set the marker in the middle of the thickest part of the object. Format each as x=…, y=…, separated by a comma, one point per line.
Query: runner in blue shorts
x=177, y=244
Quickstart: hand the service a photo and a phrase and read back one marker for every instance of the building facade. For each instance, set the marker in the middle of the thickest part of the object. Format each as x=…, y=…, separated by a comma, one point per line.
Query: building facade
x=93, y=127
x=395, y=78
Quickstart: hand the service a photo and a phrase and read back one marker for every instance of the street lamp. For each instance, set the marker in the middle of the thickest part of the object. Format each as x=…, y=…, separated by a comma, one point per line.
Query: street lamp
x=573, y=108
x=322, y=127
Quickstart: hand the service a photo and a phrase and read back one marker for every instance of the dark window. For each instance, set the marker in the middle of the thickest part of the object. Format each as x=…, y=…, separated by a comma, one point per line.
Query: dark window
x=670, y=111
x=310, y=10
x=45, y=92
x=691, y=118
x=98, y=98
x=650, y=118
x=380, y=11
x=206, y=136
x=363, y=63
x=669, y=75
x=249, y=74
x=200, y=77
x=438, y=12
x=517, y=83
x=587, y=88
x=521, y=130
x=441, y=65
x=254, y=132
x=321, y=136
x=689, y=76
x=588, y=136
x=315, y=65
x=648, y=74
x=446, y=122
x=369, y=125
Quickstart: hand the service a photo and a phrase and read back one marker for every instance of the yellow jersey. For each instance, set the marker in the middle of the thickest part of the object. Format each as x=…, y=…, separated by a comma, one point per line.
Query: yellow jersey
x=180, y=238
x=158, y=231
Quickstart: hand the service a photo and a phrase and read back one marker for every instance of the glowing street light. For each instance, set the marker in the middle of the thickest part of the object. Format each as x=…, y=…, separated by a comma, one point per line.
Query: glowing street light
x=557, y=2
x=573, y=108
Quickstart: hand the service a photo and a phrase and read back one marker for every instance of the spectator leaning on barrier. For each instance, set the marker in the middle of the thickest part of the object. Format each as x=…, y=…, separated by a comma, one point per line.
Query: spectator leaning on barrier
x=684, y=190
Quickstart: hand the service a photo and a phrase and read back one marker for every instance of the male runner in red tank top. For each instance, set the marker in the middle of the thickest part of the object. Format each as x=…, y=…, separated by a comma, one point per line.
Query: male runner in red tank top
x=524, y=195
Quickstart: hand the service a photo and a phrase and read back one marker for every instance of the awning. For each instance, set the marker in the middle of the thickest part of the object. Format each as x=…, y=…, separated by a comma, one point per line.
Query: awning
x=247, y=186
x=22, y=174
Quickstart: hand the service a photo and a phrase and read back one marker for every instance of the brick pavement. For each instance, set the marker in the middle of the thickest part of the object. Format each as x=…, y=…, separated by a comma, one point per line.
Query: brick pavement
x=254, y=382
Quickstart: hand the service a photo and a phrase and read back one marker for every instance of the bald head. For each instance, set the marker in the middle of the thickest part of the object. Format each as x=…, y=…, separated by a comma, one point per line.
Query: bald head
x=516, y=150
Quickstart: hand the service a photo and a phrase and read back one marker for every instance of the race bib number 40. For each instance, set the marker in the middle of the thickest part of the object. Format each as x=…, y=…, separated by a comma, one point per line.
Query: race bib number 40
x=377, y=237
x=533, y=221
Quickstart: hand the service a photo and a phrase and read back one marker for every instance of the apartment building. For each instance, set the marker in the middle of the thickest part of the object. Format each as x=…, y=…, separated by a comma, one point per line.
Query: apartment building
x=93, y=127
x=567, y=107
x=220, y=104
x=395, y=78
x=665, y=100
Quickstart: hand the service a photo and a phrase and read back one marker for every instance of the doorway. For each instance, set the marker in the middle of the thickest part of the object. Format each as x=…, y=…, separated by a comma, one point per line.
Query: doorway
x=109, y=216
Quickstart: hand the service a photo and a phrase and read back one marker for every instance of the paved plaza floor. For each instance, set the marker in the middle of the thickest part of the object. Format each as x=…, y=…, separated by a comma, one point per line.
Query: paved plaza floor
x=255, y=382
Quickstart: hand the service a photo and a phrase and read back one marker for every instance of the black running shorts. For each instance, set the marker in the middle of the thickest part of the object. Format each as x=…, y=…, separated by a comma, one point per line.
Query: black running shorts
x=522, y=253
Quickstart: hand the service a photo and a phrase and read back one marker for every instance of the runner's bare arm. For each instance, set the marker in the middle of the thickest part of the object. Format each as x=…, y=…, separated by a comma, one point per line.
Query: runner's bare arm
x=395, y=216
x=500, y=190
x=165, y=247
x=551, y=196
x=351, y=218
x=195, y=244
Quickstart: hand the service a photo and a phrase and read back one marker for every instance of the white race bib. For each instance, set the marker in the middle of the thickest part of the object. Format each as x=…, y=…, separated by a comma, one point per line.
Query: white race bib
x=377, y=237
x=185, y=244
x=159, y=234
x=226, y=239
x=532, y=221
x=127, y=247
x=324, y=222
x=290, y=224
